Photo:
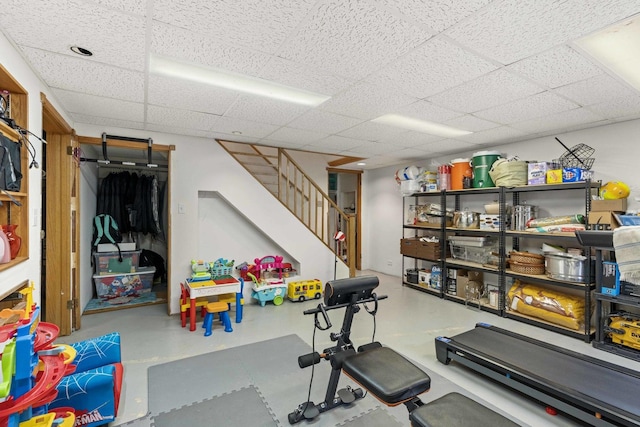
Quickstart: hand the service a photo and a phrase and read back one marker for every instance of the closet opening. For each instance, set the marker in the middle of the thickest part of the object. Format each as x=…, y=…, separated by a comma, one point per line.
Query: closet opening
x=127, y=179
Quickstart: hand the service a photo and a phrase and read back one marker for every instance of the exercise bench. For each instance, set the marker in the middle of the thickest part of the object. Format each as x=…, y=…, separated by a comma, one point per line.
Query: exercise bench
x=383, y=372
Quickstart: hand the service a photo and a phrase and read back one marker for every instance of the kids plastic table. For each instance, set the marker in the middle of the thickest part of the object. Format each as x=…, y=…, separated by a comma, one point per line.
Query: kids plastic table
x=207, y=288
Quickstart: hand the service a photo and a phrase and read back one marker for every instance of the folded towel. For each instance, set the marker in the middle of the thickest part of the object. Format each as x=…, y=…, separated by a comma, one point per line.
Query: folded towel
x=626, y=242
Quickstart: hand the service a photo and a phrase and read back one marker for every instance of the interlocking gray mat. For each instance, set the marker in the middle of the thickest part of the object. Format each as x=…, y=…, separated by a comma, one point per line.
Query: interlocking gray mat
x=259, y=384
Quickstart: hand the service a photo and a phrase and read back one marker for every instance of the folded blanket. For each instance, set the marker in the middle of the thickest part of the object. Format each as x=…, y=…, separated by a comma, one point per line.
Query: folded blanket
x=626, y=242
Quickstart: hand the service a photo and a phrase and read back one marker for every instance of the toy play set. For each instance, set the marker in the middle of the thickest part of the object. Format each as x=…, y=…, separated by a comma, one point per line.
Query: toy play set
x=47, y=384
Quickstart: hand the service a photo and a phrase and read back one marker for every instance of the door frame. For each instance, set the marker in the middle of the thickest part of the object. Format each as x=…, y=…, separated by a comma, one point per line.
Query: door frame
x=358, y=214
x=61, y=228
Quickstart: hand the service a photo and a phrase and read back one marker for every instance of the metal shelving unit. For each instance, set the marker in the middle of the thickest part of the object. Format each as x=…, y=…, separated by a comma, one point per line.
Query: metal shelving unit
x=504, y=274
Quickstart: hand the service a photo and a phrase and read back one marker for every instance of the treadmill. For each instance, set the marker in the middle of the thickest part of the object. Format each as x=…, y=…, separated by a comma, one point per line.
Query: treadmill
x=592, y=390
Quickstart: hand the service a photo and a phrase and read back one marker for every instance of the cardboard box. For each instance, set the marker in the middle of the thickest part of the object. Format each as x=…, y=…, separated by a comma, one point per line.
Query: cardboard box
x=610, y=282
x=618, y=205
x=602, y=220
x=537, y=173
x=461, y=286
x=424, y=277
x=489, y=222
x=554, y=176
x=576, y=175
x=629, y=289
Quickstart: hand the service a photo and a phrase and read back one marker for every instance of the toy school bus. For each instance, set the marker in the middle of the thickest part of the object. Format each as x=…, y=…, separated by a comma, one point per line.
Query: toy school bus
x=304, y=289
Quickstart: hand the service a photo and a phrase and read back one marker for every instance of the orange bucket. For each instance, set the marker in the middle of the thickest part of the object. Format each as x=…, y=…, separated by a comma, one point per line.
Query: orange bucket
x=460, y=169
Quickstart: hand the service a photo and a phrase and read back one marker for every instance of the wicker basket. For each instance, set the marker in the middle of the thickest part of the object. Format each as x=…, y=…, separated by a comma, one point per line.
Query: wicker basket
x=526, y=258
x=525, y=268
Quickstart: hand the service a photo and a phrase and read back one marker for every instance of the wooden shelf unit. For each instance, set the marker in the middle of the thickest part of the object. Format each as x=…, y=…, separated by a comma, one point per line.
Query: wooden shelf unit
x=10, y=213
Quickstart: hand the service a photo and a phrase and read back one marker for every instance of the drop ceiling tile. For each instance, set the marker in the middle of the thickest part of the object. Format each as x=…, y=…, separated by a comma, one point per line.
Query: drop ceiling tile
x=351, y=38
x=261, y=25
x=184, y=44
x=282, y=144
x=137, y=7
x=437, y=15
x=297, y=136
x=411, y=139
x=334, y=143
x=366, y=101
x=234, y=138
x=495, y=88
x=178, y=130
x=185, y=119
x=265, y=110
x=559, y=120
x=499, y=135
x=76, y=74
x=372, y=131
x=97, y=106
x=371, y=148
x=620, y=107
x=300, y=76
x=323, y=121
x=105, y=121
x=598, y=89
x=187, y=95
x=451, y=146
x=413, y=155
x=229, y=125
x=510, y=30
x=424, y=110
x=556, y=67
x=114, y=37
x=433, y=67
x=471, y=123
x=537, y=105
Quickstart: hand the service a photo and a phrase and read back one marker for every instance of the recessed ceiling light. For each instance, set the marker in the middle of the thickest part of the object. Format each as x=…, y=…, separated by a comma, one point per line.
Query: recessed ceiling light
x=81, y=51
x=420, y=125
x=168, y=67
x=617, y=48
x=361, y=164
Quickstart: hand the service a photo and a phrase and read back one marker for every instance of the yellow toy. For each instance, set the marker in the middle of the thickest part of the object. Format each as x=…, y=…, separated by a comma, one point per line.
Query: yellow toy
x=614, y=190
x=304, y=289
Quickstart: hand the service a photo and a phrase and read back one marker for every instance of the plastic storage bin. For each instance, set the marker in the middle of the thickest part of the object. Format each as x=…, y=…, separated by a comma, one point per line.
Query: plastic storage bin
x=108, y=263
x=122, y=285
x=480, y=255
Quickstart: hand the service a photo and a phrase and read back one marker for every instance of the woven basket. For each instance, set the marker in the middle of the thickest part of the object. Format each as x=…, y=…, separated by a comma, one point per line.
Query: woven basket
x=524, y=268
x=526, y=258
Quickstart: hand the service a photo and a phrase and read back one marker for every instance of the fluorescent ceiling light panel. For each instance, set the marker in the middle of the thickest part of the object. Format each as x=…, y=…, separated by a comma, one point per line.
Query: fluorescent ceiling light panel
x=617, y=48
x=420, y=125
x=168, y=67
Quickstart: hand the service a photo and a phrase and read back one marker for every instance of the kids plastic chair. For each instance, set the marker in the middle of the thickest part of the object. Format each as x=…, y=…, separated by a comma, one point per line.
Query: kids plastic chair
x=185, y=305
x=237, y=299
x=223, y=311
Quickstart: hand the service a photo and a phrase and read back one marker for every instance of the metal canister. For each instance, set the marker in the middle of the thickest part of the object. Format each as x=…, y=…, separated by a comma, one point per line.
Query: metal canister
x=521, y=215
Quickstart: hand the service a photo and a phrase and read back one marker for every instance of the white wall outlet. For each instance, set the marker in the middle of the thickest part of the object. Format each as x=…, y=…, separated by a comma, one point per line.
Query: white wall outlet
x=390, y=263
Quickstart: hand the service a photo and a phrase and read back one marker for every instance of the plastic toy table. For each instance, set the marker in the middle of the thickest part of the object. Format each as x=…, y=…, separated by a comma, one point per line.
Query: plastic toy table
x=208, y=288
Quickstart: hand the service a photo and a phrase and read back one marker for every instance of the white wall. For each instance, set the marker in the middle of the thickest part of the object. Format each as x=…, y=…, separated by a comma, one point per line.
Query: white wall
x=200, y=164
x=616, y=153
x=30, y=269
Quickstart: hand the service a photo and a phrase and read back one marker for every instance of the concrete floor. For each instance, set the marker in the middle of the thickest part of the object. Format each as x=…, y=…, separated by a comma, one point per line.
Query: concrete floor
x=408, y=321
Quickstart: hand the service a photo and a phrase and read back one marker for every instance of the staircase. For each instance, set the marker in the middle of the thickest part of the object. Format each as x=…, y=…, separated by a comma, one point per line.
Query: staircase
x=283, y=178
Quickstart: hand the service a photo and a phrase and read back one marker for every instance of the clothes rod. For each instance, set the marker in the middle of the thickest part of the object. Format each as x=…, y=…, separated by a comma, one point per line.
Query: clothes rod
x=124, y=163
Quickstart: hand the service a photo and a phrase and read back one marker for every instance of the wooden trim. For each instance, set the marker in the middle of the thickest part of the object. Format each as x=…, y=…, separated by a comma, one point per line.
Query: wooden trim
x=55, y=122
x=10, y=84
x=344, y=161
x=123, y=144
x=352, y=171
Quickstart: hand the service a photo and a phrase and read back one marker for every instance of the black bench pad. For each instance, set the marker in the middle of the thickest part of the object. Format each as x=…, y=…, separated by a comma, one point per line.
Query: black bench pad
x=457, y=410
x=387, y=375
